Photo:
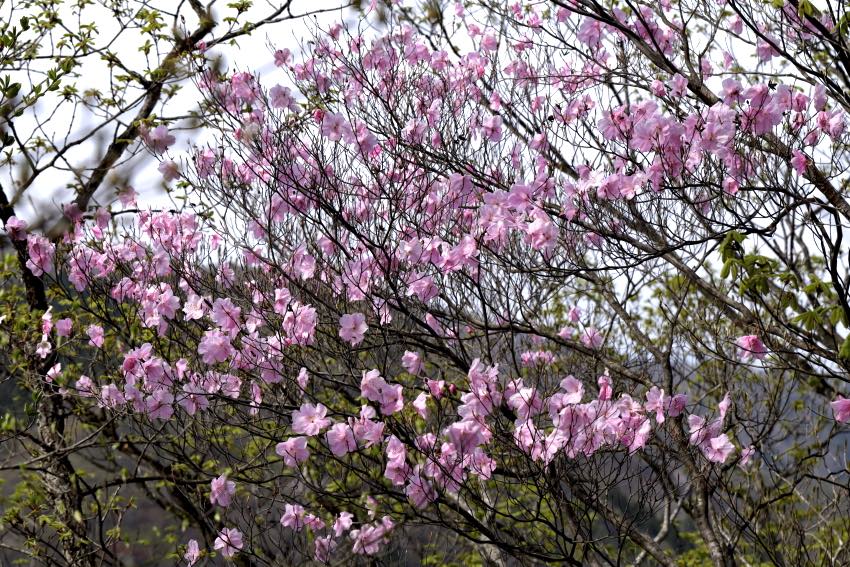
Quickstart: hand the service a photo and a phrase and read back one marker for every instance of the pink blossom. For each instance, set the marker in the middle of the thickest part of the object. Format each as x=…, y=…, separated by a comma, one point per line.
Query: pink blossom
x=799, y=161
x=63, y=327
x=352, y=328
x=412, y=362
x=215, y=347
x=751, y=347
x=746, y=456
x=310, y=419
x=841, y=409
x=375, y=389
x=340, y=438
x=591, y=338
x=16, y=228
x=222, y=491
x=95, y=333
x=229, y=542
x=419, y=490
x=323, y=548
x=41, y=253
x=303, y=378
x=605, y=391
x=158, y=139
x=111, y=396
x=293, y=517
x=718, y=449
x=193, y=552
x=342, y=523
x=491, y=128
x=169, y=170
x=159, y=405
x=44, y=348
x=294, y=451
x=420, y=404
x=370, y=538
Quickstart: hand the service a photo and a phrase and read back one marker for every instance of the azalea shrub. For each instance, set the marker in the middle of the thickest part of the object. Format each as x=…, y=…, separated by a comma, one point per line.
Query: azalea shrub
x=555, y=282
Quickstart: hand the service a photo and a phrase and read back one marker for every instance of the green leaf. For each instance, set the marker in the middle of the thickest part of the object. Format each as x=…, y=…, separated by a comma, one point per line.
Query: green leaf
x=844, y=351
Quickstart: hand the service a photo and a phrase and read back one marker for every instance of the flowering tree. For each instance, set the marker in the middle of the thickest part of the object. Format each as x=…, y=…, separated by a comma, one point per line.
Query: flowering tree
x=565, y=282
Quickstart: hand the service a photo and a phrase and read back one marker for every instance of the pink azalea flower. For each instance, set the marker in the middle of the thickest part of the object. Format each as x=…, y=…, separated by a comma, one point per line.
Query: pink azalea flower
x=215, y=347
x=746, y=456
x=63, y=327
x=222, y=491
x=95, y=333
x=751, y=347
x=841, y=409
x=158, y=139
x=293, y=517
x=420, y=404
x=799, y=161
x=159, y=405
x=229, y=542
x=193, y=552
x=323, y=548
x=718, y=449
x=16, y=228
x=293, y=450
x=412, y=362
x=342, y=523
x=310, y=419
x=591, y=338
x=352, y=328
x=341, y=440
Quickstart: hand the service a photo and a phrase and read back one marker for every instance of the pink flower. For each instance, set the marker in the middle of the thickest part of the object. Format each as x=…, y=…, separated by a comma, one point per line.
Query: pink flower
x=750, y=347
x=41, y=253
x=226, y=315
x=193, y=553
x=718, y=449
x=412, y=362
x=169, y=170
x=229, y=541
x=419, y=490
x=677, y=405
x=293, y=517
x=159, y=405
x=303, y=378
x=222, y=491
x=436, y=387
x=281, y=97
x=323, y=548
x=63, y=327
x=310, y=419
x=746, y=456
x=294, y=451
x=157, y=139
x=215, y=347
x=342, y=523
x=375, y=389
x=591, y=338
x=491, y=128
x=574, y=390
x=352, y=328
x=95, y=333
x=111, y=396
x=44, y=347
x=799, y=161
x=656, y=401
x=841, y=409
x=341, y=440
x=420, y=404
x=605, y=391
x=16, y=228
